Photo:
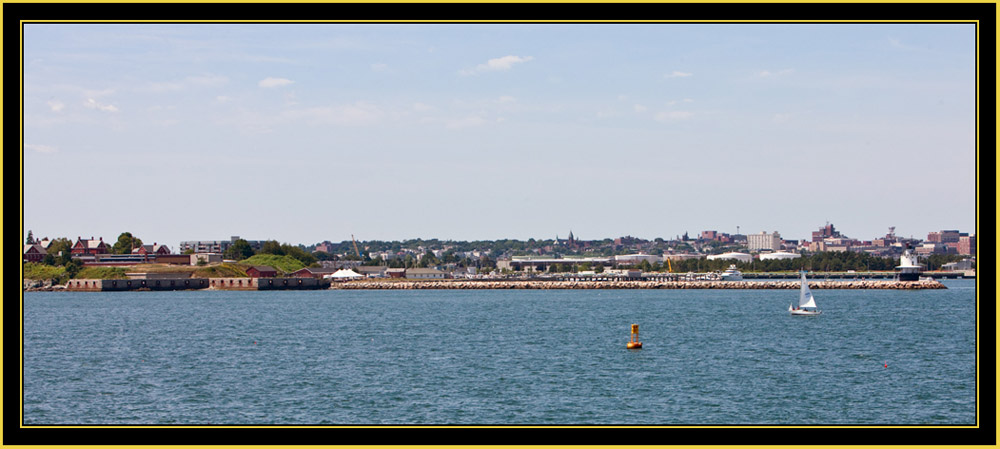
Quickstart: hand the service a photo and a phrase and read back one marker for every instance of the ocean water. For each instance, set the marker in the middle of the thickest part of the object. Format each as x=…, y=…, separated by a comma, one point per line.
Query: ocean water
x=726, y=357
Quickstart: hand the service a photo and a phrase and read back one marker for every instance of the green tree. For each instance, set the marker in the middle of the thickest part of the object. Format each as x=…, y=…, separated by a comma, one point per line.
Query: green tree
x=73, y=267
x=61, y=250
x=239, y=250
x=271, y=247
x=31, y=239
x=298, y=253
x=126, y=242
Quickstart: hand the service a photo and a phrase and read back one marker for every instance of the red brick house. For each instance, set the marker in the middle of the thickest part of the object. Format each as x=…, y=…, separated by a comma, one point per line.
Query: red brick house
x=34, y=253
x=262, y=271
x=317, y=273
x=152, y=249
x=89, y=247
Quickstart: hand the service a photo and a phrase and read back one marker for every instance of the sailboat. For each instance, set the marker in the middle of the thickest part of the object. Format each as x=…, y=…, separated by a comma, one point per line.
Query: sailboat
x=807, y=304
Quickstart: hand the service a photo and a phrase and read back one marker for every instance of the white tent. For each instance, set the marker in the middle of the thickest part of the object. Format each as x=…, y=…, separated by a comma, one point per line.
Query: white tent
x=343, y=275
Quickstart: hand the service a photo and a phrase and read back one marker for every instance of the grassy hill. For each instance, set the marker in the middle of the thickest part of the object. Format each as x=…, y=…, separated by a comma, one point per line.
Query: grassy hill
x=286, y=264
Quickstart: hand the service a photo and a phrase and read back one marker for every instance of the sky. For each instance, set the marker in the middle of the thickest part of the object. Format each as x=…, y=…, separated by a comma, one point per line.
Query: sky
x=302, y=133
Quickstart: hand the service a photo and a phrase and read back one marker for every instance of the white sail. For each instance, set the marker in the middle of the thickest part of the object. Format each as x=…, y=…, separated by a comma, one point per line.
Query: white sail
x=805, y=296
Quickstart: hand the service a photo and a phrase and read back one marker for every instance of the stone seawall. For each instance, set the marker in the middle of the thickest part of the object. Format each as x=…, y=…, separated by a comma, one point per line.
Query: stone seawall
x=667, y=285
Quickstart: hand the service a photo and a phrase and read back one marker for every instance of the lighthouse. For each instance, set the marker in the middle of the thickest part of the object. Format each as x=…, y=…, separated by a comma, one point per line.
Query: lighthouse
x=909, y=268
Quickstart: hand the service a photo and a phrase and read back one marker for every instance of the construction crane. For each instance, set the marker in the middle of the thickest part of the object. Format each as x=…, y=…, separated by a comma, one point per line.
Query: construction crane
x=356, y=247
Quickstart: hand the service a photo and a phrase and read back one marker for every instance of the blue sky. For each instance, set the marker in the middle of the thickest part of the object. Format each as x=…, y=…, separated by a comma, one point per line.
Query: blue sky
x=309, y=132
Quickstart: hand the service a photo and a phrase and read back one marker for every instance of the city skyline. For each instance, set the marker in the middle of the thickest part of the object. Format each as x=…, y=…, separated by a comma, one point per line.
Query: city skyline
x=306, y=133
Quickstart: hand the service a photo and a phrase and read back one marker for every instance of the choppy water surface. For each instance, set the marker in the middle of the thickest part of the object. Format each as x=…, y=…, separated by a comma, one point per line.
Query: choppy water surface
x=500, y=357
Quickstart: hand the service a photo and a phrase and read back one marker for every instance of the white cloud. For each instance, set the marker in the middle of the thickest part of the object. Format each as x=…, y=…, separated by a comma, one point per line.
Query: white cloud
x=40, y=148
x=379, y=67
x=223, y=99
x=56, y=106
x=274, y=82
x=639, y=108
x=421, y=107
x=93, y=104
x=678, y=74
x=507, y=99
x=497, y=64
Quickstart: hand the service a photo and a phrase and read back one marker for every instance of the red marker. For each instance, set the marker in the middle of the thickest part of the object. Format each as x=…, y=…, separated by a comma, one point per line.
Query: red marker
x=886, y=364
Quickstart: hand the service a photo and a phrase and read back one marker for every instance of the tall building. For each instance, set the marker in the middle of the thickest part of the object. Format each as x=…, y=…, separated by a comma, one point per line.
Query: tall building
x=757, y=242
x=967, y=245
x=825, y=232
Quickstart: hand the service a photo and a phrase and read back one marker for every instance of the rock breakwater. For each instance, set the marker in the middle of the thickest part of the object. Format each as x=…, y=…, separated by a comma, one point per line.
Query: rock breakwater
x=668, y=285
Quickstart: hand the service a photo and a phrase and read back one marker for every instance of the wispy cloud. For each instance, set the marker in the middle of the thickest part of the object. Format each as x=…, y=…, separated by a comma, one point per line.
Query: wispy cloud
x=274, y=82
x=497, y=64
x=56, y=106
x=93, y=104
x=45, y=149
x=678, y=74
x=770, y=74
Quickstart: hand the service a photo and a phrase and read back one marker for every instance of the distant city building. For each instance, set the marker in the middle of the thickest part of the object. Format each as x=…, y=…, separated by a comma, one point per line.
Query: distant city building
x=967, y=245
x=950, y=236
x=325, y=247
x=424, y=273
x=824, y=233
x=742, y=257
x=216, y=246
x=757, y=242
x=780, y=256
x=963, y=265
x=632, y=259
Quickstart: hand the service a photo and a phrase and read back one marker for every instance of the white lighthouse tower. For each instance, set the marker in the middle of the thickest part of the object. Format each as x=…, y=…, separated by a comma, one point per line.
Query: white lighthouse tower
x=909, y=268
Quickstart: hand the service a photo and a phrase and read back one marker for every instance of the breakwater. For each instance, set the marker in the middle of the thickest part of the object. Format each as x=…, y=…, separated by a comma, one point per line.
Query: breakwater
x=675, y=285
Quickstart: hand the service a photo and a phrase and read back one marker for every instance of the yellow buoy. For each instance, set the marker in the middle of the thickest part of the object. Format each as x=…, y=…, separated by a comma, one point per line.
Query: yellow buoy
x=634, y=342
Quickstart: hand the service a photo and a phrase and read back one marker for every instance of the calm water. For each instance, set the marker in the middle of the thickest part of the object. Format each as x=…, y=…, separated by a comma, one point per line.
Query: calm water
x=500, y=357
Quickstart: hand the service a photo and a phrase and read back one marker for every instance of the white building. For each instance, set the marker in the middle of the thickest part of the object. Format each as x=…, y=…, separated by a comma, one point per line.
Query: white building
x=742, y=257
x=757, y=242
x=632, y=259
x=780, y=255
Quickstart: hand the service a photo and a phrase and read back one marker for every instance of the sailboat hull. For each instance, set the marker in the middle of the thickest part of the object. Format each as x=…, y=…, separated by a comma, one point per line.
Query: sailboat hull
x=800, y=312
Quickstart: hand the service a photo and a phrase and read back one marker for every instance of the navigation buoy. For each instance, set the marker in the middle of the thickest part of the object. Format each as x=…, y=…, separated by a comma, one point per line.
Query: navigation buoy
x=634, y=342
x=886, y=365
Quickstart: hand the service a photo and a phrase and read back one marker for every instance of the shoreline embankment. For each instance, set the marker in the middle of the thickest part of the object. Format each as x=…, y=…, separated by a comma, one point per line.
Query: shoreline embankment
x=507, y=284
x=622, y=284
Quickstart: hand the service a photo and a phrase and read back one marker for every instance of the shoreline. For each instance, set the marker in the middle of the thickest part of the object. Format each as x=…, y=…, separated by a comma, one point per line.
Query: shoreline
x=539, y=285
x=635, y=285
